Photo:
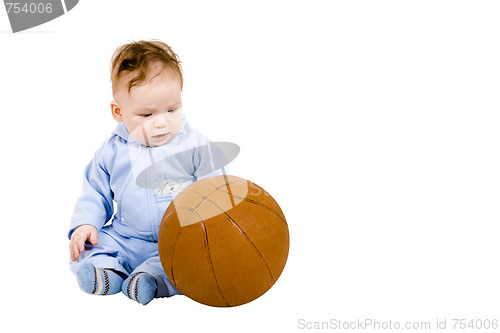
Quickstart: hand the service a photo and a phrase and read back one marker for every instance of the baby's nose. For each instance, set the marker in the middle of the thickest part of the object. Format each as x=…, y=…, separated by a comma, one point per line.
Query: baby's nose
x=160, y=121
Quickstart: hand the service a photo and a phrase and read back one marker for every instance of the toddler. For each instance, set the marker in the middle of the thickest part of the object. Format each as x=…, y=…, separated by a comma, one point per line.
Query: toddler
x=150, y=157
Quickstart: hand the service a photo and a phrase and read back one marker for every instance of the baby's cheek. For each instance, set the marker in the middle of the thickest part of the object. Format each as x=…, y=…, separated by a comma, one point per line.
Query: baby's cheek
x=139, y=133
x=177, y=127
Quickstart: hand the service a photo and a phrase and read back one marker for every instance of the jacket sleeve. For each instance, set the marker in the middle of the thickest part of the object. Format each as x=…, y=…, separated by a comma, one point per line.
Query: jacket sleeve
x=208, y=161
x=95, y=204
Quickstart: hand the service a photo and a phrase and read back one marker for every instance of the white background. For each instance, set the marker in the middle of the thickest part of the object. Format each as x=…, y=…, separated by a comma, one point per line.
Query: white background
x=374, y=124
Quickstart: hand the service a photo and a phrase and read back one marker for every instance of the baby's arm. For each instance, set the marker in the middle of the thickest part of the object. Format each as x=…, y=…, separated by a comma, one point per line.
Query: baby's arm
x=95, y=205
x=82, y=234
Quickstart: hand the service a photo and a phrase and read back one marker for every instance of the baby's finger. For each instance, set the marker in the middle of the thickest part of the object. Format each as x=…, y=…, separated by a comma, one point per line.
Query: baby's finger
x=81, y=242
x=93, y=237
x=71, y=250
x=74, y=250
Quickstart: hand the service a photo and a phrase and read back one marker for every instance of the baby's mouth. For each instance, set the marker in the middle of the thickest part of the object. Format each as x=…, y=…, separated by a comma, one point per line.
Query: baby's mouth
x=160, y=136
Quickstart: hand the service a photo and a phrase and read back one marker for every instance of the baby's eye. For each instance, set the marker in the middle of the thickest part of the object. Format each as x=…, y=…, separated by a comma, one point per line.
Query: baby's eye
x=171, y=111
x=146, y=115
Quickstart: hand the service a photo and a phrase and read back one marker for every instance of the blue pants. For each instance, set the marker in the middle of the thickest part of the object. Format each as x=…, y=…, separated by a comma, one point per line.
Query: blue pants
x=128, y=256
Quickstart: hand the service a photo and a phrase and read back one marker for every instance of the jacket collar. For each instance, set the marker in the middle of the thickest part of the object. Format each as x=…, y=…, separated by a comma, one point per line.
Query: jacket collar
x=122, y=132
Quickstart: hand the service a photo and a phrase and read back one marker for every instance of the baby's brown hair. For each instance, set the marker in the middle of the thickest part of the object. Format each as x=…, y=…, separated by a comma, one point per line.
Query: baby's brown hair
x=141, y=56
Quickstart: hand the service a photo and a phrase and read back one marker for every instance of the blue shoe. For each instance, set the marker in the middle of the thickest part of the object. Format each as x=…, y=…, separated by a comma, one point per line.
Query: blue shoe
x=98, y=281
x=140, y=287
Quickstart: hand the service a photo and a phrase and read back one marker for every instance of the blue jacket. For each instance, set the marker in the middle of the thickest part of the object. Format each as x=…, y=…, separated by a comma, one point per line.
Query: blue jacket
x=132, y=185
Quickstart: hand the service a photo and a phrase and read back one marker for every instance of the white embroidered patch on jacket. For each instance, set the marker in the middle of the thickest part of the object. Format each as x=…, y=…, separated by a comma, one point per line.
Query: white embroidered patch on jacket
x=172, y=188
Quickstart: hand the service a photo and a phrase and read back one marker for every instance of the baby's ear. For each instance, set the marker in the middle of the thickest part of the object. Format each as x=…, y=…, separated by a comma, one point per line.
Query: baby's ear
x=116, y=112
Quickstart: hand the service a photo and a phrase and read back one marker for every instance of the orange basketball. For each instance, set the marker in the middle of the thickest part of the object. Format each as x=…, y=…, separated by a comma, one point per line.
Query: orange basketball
x=223, y=241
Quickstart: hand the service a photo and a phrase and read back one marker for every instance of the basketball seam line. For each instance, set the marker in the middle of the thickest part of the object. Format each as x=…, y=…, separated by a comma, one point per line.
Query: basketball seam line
x=173, y=257
x=175, y=246
x=248, y=239
x=215, y=190
x=236, y=196
x=229, y=190
x=207, y=247
x=227, y=183
x=254, y=246
x=262, y=205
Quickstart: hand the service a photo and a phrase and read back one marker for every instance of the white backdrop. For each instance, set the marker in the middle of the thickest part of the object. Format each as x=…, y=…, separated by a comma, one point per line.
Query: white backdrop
x=374, y=124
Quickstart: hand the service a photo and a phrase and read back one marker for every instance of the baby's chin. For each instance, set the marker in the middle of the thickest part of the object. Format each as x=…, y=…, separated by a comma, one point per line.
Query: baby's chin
x=158, y=142
x=152, y=141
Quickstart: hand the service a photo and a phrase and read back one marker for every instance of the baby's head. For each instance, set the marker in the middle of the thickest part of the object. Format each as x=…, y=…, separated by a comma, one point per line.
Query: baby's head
x=147, y=82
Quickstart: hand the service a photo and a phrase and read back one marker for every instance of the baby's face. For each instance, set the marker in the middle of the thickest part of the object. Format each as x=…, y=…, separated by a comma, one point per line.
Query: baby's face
x=152, y=112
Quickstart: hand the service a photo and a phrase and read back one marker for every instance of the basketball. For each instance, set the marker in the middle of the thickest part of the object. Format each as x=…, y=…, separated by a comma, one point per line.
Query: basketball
x=223, y=241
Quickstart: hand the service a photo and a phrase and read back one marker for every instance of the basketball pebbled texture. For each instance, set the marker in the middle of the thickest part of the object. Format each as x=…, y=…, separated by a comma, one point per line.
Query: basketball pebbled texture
x=223, y=241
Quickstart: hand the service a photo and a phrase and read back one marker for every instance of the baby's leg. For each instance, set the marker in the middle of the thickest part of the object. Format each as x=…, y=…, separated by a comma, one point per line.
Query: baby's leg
x=148, y=281
x=99, y=268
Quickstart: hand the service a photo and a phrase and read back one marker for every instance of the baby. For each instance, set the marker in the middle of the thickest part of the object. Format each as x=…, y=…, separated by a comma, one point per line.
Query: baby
x=149, y=158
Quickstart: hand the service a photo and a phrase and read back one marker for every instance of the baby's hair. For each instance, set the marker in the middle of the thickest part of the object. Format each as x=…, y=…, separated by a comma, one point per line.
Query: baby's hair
x=141, y=56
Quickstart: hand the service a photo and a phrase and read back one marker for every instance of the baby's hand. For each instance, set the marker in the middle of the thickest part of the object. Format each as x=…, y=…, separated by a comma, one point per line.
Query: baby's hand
x=80, y=235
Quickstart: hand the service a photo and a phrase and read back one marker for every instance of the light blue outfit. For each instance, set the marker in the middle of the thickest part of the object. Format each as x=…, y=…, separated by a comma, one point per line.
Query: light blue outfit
x=141, y=182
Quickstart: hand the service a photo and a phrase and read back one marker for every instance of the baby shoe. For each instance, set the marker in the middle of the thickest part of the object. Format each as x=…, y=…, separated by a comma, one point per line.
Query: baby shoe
x=140, y=287
x=98, y=281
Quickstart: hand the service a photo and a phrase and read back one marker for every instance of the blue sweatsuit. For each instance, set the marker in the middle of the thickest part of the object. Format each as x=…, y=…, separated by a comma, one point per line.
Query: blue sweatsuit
x=127, y=188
